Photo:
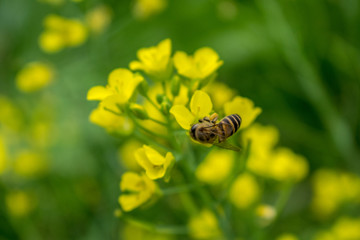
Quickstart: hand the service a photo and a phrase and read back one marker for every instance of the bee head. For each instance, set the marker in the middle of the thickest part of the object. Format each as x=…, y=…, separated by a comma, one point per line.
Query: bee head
x=192, y=130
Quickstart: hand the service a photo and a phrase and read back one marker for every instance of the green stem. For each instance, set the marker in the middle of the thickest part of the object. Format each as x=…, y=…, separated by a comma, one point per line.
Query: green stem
x=157, y=121
x=179, y=189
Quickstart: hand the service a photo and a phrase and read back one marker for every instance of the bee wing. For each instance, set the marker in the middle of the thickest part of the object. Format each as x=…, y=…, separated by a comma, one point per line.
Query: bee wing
x=227, y=145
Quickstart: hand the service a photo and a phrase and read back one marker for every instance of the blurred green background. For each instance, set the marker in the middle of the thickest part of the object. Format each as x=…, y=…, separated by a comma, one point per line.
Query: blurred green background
x=298, y=60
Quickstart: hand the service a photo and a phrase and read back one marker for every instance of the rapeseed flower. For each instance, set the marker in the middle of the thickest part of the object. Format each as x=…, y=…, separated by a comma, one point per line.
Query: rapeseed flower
x=34, y=76
x=121, y=86
x=204, y=63
x=126, y=154
x=110, y=121
x=60, y=33
x=265, y=213
x=155, y=61
x=216, y=166
x=287, y=166
x=204, y=225
x=30, y=164
x=245, y=191
x=136, y=190
x=98, y=19
x=19, y=203
x=200, y=106
x=143, y=9
x=245, y=108
x=332, y=189
x=220, y=93
x=155, y=165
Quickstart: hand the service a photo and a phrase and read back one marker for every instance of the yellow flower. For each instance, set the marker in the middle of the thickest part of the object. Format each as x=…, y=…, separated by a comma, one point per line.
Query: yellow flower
x=121, y=86
x=245, y=108
x=144, y=9
x=155, y=61
x=110, y=121
x=200, y=66
x=287, y=236
x=331, y=189
x=266, y=214
x=134, y=232
x=155, y=165
x=19, y=203
x=98, y=19
x=263, y=139
x=200, y=106
x=347, y=228
x=10, y=114
x=244, y=191
x=3, y=155
x=219, y=93
x=30, y=164
x=136, y=190
x=61, y=32
x=216, y=167
x=34, y=76
x=126, y=154
x=204, y=226
x=286, y=165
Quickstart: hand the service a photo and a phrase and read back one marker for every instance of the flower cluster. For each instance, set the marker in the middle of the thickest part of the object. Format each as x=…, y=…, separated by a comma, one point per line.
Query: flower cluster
x=154, y=103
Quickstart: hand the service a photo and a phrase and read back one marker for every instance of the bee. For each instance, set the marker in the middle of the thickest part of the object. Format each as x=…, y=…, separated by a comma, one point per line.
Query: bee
x=208, y=131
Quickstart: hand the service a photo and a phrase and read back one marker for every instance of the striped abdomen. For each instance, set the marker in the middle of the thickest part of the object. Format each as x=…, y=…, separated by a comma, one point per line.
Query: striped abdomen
x=228, y=126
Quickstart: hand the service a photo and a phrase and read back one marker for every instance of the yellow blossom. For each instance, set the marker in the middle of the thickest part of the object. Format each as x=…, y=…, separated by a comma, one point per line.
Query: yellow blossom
x=200, y=106
x=110, y=121
x=136, y=190
x=266, y=214
x=3, y=155
x=155, y=61
x=134, y=232
x=286, y=165
x=126, y=154
x=216, y=167
x=245, y=108
x=244, y=191
x=220, y=93
x=347, y=228
x=144, y=9
x=331, y=189
x=287, y=236
x=98, y=19
x=204, y=63
x=34, y=76
x=30, y=164
x=61, y=32
x=204, y=225
x=121, y=86
x=19, y=203
x=155, y=165
x=10, y=114
x=263, y=139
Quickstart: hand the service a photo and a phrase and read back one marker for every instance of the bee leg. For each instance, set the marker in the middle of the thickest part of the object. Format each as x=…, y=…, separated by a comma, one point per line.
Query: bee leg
x=206, y=119
x=214, y=117
x=201, y=120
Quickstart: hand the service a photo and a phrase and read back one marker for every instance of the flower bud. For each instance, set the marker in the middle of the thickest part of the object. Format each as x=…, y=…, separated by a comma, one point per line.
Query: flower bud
x=175, y=85
x=143, y=88
x=160, y=98
x=165, y=106
x=138, y=111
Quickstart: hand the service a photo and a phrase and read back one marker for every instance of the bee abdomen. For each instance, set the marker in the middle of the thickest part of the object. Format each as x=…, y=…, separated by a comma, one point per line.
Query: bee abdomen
x=230, y=124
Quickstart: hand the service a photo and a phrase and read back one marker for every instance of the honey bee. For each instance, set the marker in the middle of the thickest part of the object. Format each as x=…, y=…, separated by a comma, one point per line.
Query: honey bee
x=208, y=131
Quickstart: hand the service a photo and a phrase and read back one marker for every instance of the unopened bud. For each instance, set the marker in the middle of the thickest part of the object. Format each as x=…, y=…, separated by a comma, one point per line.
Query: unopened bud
x=175, y=85
x=143, y=88
x=138, y=111
x=165, y=106
x=160, y=98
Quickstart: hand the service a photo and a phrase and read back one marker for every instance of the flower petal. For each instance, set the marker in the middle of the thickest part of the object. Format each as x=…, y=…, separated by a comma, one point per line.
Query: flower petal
x=154, y=156
x=245, y=108
x=200, y=104
x=183, y=116
x=98, y=93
